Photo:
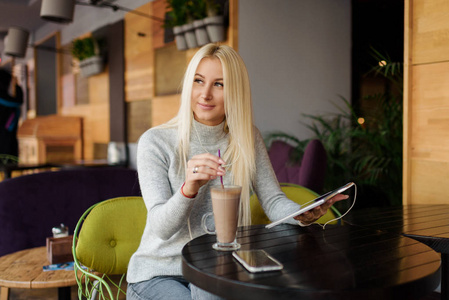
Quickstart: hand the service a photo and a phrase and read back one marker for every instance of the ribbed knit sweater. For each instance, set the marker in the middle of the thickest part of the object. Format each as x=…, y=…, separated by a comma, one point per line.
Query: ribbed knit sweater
x=166, y=230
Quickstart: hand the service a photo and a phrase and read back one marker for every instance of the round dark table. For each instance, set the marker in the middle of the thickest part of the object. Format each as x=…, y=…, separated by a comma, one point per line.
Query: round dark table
x=340, y=262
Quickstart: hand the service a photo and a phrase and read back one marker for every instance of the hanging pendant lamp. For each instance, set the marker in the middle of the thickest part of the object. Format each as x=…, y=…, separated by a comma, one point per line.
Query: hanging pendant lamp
x=16, y=42
x=59, y=11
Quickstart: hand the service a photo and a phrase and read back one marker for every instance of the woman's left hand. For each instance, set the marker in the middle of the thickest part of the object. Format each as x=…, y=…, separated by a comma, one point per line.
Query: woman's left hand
x=314, y=214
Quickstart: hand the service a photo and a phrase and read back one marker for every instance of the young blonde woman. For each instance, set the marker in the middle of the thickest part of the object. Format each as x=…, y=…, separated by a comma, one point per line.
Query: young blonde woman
x=178, y=162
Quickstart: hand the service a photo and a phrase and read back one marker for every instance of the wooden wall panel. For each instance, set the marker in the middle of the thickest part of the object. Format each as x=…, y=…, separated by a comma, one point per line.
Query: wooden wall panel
x=430, y=113
x=68, y=92
x=95, y=125
x=139, y=55
x=139, y=119
x=95, y=113
x=99, y=87
x=426, y=102
x=430, y=31
x=81, y=89
x=164, y=108
x=170, y=65
x=89, y=99
x=429, y=184
x=159, y=9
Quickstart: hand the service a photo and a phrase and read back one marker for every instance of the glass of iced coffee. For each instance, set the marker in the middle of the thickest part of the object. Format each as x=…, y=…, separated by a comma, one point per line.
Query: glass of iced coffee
x=225, y=205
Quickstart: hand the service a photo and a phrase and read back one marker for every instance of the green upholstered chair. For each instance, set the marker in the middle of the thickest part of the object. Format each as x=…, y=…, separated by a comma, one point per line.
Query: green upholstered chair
x=296, y=193
x=106, y=236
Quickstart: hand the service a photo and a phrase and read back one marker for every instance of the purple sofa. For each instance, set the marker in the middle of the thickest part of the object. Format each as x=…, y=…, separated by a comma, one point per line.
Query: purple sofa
x=310, y=173
x=31, y=205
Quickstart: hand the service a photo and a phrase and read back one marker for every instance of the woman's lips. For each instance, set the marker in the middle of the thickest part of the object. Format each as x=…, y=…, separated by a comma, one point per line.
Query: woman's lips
x=206, y=106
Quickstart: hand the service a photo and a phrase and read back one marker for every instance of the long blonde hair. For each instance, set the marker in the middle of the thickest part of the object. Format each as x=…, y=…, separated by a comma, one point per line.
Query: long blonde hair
x=239, y=119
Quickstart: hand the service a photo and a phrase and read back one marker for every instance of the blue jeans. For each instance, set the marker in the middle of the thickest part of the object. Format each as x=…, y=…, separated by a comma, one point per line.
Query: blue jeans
x=167, y=288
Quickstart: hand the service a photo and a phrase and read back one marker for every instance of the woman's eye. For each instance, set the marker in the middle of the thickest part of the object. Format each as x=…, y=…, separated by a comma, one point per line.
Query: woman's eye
x=198, y=81
x=219, y=84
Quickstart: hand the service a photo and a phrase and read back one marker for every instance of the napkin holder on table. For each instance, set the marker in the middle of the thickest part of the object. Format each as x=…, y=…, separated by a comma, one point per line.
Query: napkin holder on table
x=59, y=249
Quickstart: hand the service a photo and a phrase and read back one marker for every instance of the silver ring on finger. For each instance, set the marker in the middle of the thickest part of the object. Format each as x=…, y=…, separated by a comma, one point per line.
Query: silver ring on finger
x=195, y=170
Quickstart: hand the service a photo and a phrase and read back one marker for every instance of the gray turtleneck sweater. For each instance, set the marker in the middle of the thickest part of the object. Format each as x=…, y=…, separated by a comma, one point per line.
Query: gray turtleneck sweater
x=166, y=230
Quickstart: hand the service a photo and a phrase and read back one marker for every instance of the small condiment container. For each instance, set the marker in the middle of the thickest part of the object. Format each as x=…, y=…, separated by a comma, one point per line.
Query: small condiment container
x=60, y=231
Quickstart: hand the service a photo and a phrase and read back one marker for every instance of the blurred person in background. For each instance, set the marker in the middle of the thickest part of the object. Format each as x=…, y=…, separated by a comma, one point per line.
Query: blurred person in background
x=11, y=98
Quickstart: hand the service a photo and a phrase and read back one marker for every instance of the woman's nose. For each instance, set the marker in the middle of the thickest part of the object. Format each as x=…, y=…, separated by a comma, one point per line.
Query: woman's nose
x=206, y=93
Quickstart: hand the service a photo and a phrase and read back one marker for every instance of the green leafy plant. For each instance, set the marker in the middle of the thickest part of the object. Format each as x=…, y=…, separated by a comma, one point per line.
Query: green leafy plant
x=182, y=12
x=177, y=14
x=212, y=8
x=197, y=9
x=365, y=147
x=84, y=48
x=185, y=11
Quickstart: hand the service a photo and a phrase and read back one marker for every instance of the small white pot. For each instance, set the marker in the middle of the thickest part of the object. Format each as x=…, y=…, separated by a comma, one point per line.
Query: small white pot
x=200, y=32
x=215, y=28
x=91, y=66
x=189, y=33
x=180, y=39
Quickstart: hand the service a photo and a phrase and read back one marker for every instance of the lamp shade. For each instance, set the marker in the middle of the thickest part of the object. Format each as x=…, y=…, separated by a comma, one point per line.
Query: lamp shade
x=59, y=11
x=16, y=42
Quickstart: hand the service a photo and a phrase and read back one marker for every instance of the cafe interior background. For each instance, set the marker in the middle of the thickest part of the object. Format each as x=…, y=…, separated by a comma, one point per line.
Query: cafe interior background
x=374, y=71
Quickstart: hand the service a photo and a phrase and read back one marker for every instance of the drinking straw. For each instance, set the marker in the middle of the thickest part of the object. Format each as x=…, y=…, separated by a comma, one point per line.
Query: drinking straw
x=221, y=177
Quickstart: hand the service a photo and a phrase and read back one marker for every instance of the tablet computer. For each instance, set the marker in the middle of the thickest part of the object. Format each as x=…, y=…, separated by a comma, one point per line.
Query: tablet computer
x=314, y=203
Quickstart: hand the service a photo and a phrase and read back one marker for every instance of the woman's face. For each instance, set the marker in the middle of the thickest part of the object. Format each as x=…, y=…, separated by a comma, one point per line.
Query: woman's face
x=207, y=92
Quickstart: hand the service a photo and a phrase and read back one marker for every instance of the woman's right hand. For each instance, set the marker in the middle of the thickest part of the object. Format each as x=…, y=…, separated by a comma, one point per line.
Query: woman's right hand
x=200, y=169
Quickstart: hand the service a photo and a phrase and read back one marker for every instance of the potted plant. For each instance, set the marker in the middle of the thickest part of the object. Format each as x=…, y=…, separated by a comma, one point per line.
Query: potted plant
x=199, y=12
x=87, y=51
x=195, y=10
x=214, y=21
x=176, y=18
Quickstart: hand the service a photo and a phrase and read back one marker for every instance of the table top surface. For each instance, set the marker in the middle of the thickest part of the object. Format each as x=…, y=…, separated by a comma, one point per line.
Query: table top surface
x=340, y=262
x=428, y=224
x=23, y=269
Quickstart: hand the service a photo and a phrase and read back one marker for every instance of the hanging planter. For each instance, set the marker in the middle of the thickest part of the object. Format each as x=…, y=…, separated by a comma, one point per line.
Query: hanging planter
x=215, y=28
x=87, y=52
x=200, y=32
x=91, y=66
x=189, y=34
x=196, y=29
x=180, y=39
x=176, y=18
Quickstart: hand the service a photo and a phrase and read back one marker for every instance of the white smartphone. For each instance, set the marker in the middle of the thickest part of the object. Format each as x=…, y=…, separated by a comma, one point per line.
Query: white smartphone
x=257, y=261
x=316, y=202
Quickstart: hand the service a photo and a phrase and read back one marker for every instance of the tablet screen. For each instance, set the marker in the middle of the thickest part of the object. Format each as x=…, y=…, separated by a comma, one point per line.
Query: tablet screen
x=314, y=203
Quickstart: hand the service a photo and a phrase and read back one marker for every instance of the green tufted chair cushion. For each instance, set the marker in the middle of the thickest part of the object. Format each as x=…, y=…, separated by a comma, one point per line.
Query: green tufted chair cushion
x=294, y=192
x=111, y=233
